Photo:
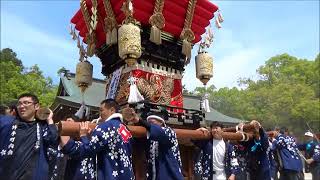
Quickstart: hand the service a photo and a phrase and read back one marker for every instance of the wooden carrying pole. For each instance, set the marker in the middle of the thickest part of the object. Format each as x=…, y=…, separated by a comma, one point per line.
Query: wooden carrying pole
x=67, y=128
x=245, y=128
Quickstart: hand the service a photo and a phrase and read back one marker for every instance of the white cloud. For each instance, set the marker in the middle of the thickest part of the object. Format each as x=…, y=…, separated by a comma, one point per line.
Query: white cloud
x=36, y=46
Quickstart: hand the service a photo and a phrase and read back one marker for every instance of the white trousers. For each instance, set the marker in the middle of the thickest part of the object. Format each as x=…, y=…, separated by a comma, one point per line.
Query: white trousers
x=219, y=175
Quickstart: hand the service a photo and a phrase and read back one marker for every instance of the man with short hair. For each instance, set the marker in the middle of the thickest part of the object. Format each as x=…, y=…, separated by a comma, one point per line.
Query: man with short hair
x=163, y=156
x=289, y=156
x=217, y=159
x=312, y=152
x=315, y=161
x=25, y=142
x=110, y=141
x=4, y=110
x=13, y=109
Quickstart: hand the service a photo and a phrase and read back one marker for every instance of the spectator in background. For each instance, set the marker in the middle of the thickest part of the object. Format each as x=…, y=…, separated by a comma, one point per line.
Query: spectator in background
x=315, y=161
x=289, y=158
x=13, y=108
x=4, y=110
x=312, y=154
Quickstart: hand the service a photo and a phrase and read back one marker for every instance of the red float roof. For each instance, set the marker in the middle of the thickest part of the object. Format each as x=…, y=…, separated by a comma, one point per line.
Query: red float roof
x=174, y=12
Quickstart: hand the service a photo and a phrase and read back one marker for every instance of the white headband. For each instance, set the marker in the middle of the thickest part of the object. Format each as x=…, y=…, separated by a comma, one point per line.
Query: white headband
x=155, y=117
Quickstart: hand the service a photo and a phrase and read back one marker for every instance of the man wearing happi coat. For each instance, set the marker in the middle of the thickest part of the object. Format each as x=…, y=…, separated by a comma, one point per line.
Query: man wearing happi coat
x=110, y=141
x=163, y=155
x=25, y=142
x=259, y=154
x=217, y=159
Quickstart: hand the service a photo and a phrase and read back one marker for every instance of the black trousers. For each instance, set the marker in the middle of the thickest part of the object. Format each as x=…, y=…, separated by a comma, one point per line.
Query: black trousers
x=243, y=175
x=315, y=171
x=289, y=175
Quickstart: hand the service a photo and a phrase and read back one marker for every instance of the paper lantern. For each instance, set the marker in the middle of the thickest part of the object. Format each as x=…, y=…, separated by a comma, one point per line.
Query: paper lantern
x=84, y=75
x=129, y=43
x=204, y=67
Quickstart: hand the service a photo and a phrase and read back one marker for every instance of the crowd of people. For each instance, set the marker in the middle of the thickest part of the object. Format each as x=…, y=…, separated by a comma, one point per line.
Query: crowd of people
x=31, y=149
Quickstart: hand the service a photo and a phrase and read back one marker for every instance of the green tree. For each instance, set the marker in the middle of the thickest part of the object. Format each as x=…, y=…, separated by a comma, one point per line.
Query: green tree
x=200, y=91
x=15, y=80
x=7, y=55
x=185, y=90
x=285, y=94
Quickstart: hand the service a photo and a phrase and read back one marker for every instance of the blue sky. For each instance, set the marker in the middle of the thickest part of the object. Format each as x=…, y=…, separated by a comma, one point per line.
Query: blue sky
x=253, y=32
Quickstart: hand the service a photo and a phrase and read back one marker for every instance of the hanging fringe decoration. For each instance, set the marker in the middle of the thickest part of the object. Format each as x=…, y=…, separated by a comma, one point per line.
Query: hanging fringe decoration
x=209, y=37
x=110, y=23
x=73, y=32
x=83, y=111
x=220, y=18
x=91, y=24
x=206, y=43
x=87, y=111
x=134, y=95
x=187, y=34
x=157, y=22
x=205, y=103
x=218, y=25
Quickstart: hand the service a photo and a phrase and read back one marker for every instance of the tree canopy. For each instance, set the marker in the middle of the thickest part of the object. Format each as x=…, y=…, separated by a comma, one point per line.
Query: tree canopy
x=286, y=93
x=16, y=79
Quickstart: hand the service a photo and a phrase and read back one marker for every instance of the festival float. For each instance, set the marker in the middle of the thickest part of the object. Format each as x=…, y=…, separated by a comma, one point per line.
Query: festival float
x=144, y=47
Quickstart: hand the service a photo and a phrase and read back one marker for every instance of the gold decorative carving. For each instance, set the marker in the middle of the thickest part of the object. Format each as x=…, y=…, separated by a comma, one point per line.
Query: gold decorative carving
x=129, y=41
x=129, y=44
x=153, y=88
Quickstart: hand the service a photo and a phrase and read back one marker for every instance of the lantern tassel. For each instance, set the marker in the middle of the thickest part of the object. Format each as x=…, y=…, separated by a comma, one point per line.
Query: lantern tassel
x=155, y=35
x=82, y=112
x=186, y=50
x=205, y=103
x=134, y=95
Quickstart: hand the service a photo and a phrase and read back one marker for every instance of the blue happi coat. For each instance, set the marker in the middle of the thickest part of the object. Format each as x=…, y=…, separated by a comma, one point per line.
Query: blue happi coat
x=110, y=141
x=73, y=168
x=259, y=157
x=163, y=157
x=203, y=164
x=242, y=154
x=78, y=169
x=288, y=150
x=34, y=157
x=310, y=149
x=316, y=154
